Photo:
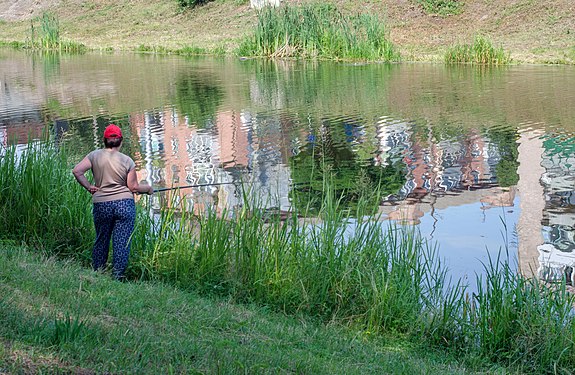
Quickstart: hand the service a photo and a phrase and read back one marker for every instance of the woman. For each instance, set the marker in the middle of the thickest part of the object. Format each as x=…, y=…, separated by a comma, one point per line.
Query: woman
x=115, y=183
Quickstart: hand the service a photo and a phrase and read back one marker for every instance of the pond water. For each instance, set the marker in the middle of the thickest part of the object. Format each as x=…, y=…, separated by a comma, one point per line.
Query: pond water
x=480, y=159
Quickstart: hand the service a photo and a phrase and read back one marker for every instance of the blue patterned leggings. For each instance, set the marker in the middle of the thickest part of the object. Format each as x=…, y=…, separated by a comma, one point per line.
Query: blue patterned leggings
x=113, y=219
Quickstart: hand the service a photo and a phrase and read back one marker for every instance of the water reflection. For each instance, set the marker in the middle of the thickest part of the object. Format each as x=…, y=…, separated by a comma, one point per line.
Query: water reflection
x=558, y=221
x=476, y=158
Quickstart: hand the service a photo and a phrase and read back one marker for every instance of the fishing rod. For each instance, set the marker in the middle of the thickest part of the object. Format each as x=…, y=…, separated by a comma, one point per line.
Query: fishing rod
x=191, y=186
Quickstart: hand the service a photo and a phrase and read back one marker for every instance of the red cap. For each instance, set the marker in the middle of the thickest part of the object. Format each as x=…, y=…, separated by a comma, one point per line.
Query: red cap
x=112, y=131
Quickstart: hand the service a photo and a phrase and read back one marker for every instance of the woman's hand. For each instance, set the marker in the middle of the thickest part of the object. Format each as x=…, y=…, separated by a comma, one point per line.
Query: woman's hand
x=93, y=189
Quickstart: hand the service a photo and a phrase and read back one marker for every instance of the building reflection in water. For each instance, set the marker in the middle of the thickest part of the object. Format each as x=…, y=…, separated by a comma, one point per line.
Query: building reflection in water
x=229, y=149
x=558, y=219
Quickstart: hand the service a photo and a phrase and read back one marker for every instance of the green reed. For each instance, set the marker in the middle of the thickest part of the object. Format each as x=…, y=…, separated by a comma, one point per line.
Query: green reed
x=480, y=52
x=335, y=266
x=46, y=37
x=378, y=275
x=318, y=31
x=40, y=203
x=522, y=321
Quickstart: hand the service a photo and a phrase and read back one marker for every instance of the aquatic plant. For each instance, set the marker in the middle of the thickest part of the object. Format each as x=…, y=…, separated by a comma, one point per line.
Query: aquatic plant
x=318, y=31
x=39, y=203
x=47, y=36
x=481, y=52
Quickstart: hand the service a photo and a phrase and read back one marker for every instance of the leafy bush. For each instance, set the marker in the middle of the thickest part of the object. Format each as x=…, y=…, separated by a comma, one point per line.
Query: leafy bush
x=441, y=7
x=481, y=51
x=192, y=3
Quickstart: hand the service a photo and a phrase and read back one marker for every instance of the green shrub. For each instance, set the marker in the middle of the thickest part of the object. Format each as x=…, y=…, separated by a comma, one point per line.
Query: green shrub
x=192, y=3
x=481, y=52
x=441, y=7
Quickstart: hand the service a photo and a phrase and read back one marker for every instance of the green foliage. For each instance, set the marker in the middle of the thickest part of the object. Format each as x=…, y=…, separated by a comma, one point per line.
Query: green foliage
x=185, y=51
x=50, y=31
x=190, y=50
x=40, y=202
x=47, y=36
x=480, y=52
x=13, y=44
x=318, y=31
x=192, y=3
x=522, y=321
x=441, y=7
x=66, y=330
x=154, y=328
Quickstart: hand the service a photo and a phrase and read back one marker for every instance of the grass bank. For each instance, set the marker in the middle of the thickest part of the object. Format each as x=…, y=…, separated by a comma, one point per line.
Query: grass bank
x=531, y=31
x=339, y=268
x=60, y=317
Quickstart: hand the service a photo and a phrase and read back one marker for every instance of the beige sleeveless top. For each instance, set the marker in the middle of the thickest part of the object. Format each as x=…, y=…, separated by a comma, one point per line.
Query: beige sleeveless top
x=110, y=169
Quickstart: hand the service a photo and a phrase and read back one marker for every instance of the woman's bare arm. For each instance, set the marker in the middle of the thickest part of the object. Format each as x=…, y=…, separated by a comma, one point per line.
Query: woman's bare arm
x=79, y=172
x=135, y=186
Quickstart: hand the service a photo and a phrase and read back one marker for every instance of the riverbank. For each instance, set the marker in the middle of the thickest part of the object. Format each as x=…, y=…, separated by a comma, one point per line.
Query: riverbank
x=531, y=31
x=60, y=317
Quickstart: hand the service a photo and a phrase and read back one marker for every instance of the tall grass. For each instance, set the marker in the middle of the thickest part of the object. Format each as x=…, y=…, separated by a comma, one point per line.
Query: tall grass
x=377, y=275
x=46, y=36
x=480, y=52
x=318, y=31
x=40, y=203
x=335, y=266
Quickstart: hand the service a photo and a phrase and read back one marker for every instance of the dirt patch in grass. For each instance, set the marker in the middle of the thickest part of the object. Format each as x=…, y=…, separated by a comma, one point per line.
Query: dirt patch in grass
x=19, y=361
x=531, y=31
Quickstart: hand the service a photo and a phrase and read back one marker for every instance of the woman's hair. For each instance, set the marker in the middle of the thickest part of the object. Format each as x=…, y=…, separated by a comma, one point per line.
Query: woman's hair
x=112, y=142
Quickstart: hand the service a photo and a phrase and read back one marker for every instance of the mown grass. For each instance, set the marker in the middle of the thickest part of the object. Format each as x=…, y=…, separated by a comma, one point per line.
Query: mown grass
x=339, y=267
x=318, y=31
x=480, y=52
x=58, y=317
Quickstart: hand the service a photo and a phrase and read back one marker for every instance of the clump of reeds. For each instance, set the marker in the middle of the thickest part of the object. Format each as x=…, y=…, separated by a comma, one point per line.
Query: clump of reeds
x=318, y=30
x=39, y=203
x=47, y=36
x=480, y=52
x=520, y=321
